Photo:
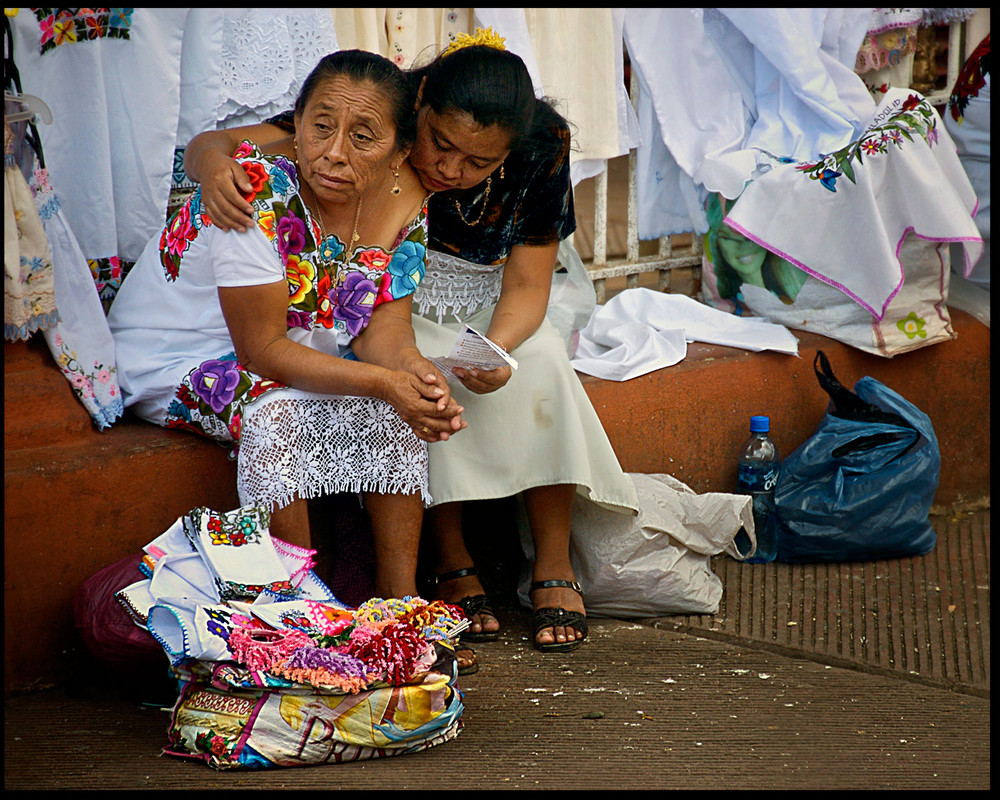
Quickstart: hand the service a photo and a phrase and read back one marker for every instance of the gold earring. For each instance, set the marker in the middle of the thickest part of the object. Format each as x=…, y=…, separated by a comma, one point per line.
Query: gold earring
x=395, y=185
x=501, y=170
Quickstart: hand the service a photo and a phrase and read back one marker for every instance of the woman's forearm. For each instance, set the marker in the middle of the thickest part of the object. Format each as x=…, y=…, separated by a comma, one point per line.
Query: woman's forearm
x=524, y=296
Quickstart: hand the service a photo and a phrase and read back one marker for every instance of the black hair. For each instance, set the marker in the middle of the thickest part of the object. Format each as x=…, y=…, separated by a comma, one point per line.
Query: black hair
x=494, y=87
x=360, y=65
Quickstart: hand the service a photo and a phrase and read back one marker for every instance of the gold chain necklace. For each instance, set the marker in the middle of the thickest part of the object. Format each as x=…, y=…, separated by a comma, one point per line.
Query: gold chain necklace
x=482, y=211
x=322, y=228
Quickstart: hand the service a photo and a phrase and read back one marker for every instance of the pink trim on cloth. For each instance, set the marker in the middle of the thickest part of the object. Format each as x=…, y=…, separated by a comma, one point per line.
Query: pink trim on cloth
x=830, y=282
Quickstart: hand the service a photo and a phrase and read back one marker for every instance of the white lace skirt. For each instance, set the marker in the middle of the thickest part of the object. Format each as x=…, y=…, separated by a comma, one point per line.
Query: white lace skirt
x=538, y=430
x=297, y=444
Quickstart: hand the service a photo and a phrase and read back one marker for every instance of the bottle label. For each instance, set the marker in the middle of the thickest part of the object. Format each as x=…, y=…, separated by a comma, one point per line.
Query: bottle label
x=757, y=477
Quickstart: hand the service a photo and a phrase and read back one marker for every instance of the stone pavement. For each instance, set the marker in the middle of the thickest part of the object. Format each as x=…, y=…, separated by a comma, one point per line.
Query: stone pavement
x=865, y=676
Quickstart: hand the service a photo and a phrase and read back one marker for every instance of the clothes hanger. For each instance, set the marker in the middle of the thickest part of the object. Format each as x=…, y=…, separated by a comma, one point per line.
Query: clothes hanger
x=33, y=107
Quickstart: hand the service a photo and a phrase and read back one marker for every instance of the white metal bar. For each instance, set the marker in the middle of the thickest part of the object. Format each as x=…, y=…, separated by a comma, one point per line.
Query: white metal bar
x=601, y=217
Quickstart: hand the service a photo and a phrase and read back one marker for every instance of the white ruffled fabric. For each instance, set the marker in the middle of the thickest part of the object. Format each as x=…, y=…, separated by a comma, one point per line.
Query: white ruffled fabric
x=715, y=83
x=266, y=56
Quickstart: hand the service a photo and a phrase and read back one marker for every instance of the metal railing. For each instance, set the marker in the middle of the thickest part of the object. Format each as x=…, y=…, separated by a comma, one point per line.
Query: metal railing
x=632, y=266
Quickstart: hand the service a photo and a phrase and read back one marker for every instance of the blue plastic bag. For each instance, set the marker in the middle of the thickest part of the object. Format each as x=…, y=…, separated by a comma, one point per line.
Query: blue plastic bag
x=861, y=487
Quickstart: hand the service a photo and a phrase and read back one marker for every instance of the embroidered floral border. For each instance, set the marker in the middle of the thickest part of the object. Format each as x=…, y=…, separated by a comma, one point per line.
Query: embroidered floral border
x=915, y=116
x=60, y=26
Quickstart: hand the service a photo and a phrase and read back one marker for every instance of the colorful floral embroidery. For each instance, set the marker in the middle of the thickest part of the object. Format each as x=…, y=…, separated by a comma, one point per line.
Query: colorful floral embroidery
x=95, y=384
x=215, y=391
x=61, y=26
x=324, y=289
x=108, y=274
x=914, y=116
x=912, y=326
x=970, y=80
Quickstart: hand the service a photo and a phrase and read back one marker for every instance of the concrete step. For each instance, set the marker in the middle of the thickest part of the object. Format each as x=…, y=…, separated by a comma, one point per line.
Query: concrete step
x=77, y=500
x=690, y=419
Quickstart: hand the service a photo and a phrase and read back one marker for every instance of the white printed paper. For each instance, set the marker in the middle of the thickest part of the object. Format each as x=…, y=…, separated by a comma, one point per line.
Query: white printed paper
x=472, y=350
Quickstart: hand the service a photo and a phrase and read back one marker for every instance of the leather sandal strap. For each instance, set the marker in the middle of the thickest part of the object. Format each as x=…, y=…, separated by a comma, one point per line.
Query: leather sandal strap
x=559, y=618
x=444, y=577
x=574, y=585
x=476, y=604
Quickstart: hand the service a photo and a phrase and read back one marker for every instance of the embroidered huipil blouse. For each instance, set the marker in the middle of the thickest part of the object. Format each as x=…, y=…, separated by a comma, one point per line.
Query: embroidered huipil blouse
x=167, y=320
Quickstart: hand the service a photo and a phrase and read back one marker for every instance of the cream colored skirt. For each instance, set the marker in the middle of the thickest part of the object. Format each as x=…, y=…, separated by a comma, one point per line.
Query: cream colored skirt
x=538, y=430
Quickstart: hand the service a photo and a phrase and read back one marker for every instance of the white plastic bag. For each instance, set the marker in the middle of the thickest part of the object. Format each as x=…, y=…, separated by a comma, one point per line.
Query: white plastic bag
x=572, y=298
x=657, y=562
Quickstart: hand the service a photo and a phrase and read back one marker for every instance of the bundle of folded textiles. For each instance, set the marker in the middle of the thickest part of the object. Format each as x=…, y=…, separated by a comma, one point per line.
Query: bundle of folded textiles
x=246, y=623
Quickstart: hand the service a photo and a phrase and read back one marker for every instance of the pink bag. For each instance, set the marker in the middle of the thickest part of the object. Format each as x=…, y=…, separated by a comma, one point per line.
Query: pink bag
x=110, y=635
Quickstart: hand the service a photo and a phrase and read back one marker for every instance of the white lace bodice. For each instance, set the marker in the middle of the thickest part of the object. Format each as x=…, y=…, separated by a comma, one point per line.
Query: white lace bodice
x=453, y=287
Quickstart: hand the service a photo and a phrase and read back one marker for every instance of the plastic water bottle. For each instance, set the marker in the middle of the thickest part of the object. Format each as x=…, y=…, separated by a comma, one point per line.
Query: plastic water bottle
x=757, y=477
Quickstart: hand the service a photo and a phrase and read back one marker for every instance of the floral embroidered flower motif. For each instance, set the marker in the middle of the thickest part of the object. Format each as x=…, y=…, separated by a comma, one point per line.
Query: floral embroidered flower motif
x=324, y=302
x=374, y=258
x=175, y=240
x=70, y=25
x=915, y=115
x=301, y=279
x=354, y=302
x=258, y=178
x=215, y=382
x=912, y=326
x=291, y=230
x=407, y=268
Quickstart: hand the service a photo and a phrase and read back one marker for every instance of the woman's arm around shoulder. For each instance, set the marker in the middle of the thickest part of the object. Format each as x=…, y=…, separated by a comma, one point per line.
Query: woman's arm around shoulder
x=209, y=160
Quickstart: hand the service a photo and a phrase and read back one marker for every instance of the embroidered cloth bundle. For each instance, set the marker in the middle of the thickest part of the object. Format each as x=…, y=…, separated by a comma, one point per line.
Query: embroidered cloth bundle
x=272, y=669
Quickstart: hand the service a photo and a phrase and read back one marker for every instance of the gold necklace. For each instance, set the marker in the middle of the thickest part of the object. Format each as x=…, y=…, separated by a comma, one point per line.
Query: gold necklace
x=322, y=229
x=482, y=211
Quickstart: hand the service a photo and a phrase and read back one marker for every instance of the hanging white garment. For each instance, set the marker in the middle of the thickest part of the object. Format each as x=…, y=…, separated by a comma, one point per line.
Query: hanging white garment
x=971, y=133
x=406, y=36
x=81, y=341
x=717, y=82
x=627, y=122
x=266, y=56
x=574, y=58
x=201, y=73
x=29, y=297
x=809, y=99
x=694, y=115
x=575, y=51
x=116, y=102
x=843, y=217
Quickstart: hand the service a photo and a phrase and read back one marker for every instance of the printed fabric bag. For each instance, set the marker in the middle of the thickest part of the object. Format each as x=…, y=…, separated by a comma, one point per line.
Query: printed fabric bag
x=231, y=717
x=861, y=487
x=854, y=245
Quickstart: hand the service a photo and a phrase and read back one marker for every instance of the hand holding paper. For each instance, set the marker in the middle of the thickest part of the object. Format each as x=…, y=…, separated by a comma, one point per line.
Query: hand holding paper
x=472, y=350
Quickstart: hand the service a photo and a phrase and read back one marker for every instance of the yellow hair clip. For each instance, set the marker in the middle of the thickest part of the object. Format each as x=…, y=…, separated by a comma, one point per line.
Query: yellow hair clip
x=483, y=36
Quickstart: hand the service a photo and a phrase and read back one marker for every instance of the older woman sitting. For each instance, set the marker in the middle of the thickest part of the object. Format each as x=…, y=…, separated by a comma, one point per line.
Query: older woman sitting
x=291, y=341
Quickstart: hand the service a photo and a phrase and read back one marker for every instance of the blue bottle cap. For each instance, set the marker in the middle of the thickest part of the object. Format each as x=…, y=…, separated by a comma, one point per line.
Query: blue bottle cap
x=760, y=424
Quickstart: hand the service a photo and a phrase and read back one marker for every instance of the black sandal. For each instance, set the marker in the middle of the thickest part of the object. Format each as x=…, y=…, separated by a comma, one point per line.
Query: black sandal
x=471, y=605
x=558, y=617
